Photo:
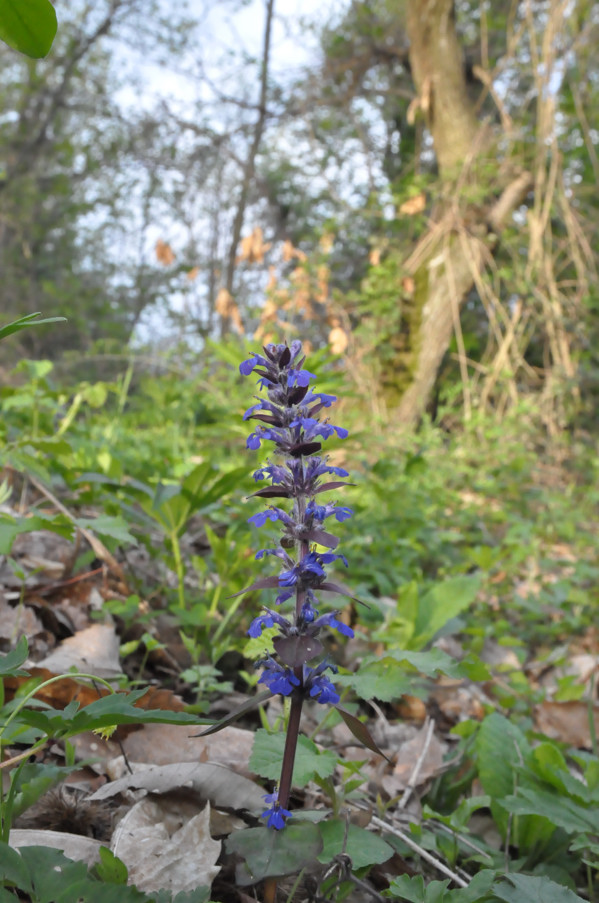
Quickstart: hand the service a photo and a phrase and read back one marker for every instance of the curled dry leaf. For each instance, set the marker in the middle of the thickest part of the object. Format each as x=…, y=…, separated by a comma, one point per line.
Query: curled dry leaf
x=221, y=786
x=166, y=843
x=164, y=253
x=74, y=846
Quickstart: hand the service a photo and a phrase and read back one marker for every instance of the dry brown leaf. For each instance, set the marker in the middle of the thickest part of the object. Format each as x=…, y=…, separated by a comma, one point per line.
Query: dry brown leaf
x=164, y=253
x=166, y=843
x=94, y=650
x=338, y=340
x=220, y=785
x=374, y=257
x=567, y=722
x=409, y=755
x=289, y=252
x=193, y=273
x=253, y=247
x=74, y=846
x=413, y=205
x=162, y=744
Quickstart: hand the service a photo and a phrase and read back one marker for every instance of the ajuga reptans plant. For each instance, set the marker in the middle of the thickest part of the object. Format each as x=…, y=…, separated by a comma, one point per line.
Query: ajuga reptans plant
x=291, y=418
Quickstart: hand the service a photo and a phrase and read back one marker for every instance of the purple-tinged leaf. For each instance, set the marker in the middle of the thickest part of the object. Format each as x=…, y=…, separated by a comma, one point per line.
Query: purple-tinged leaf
x=266, y=418
x=298, y=394
x=335, y=588
x=360, y=732
x=306, y=448
x=285, y=358
x=334, y=484
x=297, y=650
x=252, y=703
x=323, y=538
x=264, y=583
x=270, y=492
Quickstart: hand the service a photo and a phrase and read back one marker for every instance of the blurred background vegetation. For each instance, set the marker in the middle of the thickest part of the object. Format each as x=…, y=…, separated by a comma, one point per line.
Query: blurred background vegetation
x=411, y=188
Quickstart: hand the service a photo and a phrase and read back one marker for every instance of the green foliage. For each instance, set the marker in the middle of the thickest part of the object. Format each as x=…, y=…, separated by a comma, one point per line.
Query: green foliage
x=267, y=757
x=28, y=26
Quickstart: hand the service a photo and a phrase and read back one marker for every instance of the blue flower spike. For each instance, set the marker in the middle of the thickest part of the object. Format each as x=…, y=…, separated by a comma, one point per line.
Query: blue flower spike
x=289, y=418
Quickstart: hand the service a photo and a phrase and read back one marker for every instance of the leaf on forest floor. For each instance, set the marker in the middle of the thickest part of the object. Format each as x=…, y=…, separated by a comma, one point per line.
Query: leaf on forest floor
x=74, y=846
x=216, y=783
x=568, y=722
x=166, y=843
x=426, y=746
x=169, y=744
x=94, y=650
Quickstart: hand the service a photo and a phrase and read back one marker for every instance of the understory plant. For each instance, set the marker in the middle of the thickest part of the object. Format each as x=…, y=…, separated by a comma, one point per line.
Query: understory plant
x=290, y=417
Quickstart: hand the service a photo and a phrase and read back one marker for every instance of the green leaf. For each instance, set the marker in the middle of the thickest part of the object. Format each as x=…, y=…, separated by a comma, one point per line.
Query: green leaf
x=30, y=319
x=533, y=889
x=269, y=853
x=561, y=811
x=267, y=758
x=383, y=680
x=107, y=525
x=10, y=664
x=363, y=847
x=440, y=604
x=32, y=781
x=116, y=708
x=110, y=868
x=500, y=746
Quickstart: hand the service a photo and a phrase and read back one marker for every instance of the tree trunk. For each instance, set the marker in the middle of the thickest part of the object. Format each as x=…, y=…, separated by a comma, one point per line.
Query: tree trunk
x=449, y=258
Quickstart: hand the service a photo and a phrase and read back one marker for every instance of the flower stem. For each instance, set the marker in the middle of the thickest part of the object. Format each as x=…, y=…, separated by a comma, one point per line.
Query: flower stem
x=293, y=725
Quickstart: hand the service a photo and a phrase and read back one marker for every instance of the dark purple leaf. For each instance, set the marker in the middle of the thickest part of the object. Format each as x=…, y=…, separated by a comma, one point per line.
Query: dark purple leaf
x=252, y=703
x=285, y=358
x=296, y=650
x=270, y=492
x=264, y=583
x=335, y=588
x=298, y=394
x=323, y=538
x=305, y=448
x=266, y=418
x=360, y=732
x=334, y=484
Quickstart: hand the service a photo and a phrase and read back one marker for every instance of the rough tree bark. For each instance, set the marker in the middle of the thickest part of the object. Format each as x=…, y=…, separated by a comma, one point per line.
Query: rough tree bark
x=449, y=258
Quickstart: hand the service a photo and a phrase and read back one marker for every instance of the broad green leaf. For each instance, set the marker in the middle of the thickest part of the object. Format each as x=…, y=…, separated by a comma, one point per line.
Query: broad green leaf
x=440, y=604
x=363, y=847
x=500, y=747
x=561, y=811
x=267, y=758
x=269, y=853
x=385, y=680
x=533, y=889
x=107, y=525
x=116, y=708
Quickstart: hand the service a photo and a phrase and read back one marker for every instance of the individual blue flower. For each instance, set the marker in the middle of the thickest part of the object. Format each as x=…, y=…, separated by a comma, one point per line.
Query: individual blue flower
x=330, y=620
x=275, y=814
x=268, y=619
x=299, y=378
x=246, y=367
x=277, y=678
x=321, y=512
x=273, y=514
